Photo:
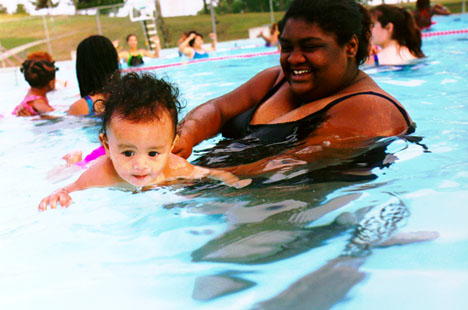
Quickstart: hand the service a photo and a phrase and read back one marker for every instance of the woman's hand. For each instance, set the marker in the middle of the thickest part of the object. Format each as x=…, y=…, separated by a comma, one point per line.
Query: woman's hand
x=61, y=196
x=156, y=40
x=183, y=147
x=213, y=36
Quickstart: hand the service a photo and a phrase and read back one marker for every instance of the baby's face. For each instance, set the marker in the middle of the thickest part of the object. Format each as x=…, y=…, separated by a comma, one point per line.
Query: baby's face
x=139, y=151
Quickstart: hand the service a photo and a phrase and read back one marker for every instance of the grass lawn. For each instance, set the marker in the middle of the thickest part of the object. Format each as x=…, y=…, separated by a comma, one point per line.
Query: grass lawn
x=67, y=31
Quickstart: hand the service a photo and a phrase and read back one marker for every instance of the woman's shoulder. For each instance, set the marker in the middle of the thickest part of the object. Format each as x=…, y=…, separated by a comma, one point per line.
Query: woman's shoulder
x=79, y=107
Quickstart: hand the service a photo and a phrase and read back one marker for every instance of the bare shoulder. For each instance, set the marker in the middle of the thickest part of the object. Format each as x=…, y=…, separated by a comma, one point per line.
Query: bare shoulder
x=79, y=107
x=100, y=174
x=178, y=167
x=369, y=114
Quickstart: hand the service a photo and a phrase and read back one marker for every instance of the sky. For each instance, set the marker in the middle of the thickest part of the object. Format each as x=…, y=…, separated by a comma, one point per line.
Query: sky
x=168, y=7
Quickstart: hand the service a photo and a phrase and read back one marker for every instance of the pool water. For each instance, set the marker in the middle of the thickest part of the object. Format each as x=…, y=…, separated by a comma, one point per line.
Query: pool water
x=290, y=242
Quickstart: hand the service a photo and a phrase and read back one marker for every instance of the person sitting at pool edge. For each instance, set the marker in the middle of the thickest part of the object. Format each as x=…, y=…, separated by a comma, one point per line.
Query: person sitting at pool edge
x=192, y=46
x=395, y=32
x=134, y=55
x=138, y=132
x=318, y=93
x=96, y=61
x=39, y=71
x=424, y=12
x=271, y=40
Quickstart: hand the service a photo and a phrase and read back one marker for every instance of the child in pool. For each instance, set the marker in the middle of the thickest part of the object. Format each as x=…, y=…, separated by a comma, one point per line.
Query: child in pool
x=39, y=71
x=138, y=133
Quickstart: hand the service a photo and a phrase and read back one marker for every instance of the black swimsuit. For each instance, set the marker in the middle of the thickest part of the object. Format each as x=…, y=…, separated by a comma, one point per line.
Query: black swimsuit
x=239, y=126
x=247, y=143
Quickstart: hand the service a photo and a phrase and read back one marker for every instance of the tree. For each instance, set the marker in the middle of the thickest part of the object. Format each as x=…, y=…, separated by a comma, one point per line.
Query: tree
x=161, y=23
x=43, y=4
x=20, y=9
x=205, y=7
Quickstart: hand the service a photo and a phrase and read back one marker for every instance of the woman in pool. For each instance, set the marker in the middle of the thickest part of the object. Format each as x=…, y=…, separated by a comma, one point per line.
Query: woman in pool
x=134, y=55
x=192, y=46
x=271, y=40
x=39, y=71
x=395, y=32
x=424, y=12
x=96, y=61
x=317, y=95
x=138, y=133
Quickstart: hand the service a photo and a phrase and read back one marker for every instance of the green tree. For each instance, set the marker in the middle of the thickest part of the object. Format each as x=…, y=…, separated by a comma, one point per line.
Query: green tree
x=20, y=9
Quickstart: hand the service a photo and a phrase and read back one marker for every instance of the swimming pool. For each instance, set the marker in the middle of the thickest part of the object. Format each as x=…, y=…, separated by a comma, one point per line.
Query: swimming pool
x=275, y=246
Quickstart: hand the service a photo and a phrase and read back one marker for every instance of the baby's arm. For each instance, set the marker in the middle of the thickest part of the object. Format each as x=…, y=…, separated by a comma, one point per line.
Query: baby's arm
x=101, y=174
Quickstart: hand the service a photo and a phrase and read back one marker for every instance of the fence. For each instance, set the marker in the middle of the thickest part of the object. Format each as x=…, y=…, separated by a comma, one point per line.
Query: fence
x=57, y=34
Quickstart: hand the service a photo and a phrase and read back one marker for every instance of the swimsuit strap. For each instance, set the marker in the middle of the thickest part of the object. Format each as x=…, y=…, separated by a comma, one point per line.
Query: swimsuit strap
x=376, y=60
x=90, y=103
x=402, y=111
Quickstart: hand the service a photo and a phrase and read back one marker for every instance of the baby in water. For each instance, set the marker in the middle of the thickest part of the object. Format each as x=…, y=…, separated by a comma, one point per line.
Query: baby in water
x=138, y=133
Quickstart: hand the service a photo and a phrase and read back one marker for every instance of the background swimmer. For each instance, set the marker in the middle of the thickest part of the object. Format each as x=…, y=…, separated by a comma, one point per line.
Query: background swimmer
x=138, y=133
x=39, y=71
x=192, y=46
x=96, y=61
x=273, y=39
x=134, y=55
x=395, y=32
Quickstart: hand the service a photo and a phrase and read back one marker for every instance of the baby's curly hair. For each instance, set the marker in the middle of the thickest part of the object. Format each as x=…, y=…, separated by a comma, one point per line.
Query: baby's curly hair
x=38, y=69
x=140, y=98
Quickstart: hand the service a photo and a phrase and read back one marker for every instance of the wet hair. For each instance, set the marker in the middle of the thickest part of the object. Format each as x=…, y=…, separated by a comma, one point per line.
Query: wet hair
x=423, y=4
x=96, y=61
x=343, y=18
x=196, y=35
x=273, y=28
x=129, y=36
x=140, y=97
x=405, y=30
x=38, y=69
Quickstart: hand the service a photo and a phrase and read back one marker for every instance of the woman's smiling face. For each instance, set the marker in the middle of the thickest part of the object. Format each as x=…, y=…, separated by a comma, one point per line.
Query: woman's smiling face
x=313, y=62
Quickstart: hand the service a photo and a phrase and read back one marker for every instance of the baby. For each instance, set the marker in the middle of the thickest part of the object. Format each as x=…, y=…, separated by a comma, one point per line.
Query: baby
x=39, y=71
x=138, y=133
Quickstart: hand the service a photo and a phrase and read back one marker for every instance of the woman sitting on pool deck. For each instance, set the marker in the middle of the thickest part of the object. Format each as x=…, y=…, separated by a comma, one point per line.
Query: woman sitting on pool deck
x=318, y=94
x=395, y=32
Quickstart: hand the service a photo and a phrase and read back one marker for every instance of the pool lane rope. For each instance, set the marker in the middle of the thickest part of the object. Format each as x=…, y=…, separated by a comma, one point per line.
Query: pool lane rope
x=443, y=33
x=177, y=64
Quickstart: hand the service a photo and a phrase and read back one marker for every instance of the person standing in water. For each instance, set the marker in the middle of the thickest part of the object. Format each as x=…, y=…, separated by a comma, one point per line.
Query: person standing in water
x=134, y=55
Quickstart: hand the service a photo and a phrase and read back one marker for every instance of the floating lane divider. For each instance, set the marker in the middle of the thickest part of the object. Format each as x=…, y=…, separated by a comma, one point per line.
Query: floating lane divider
x=443, y=33
x=176, y=64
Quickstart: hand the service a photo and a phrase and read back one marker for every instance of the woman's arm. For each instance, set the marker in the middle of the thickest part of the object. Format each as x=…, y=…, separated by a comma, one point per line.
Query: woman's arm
x=185, y=47
x=41, y=106
x=214, y=40
x=206, y=120
x=154, y=54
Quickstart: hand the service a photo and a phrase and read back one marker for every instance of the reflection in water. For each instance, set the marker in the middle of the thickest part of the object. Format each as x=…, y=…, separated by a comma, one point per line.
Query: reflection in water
x=273, y=220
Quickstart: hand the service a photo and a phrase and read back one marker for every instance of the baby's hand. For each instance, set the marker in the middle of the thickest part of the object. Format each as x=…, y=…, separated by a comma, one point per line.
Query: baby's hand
x=73, y=157
x=61, y=196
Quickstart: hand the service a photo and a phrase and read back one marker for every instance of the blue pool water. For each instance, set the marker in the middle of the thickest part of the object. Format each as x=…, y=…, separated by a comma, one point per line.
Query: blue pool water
x=274, y=246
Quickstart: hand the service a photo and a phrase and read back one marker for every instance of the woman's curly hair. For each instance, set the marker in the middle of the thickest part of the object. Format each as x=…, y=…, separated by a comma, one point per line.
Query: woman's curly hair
x=140, y=98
